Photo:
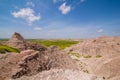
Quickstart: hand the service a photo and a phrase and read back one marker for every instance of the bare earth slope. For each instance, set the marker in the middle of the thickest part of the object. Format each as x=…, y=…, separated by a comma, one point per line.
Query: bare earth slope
x=60, y=74
x=103, y=56
x=106, y=46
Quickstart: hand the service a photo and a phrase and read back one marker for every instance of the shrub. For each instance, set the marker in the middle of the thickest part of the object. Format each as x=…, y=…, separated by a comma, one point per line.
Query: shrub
x=98, y=56
x=86, y=71
x=4, y=49
x=74, y=54
x=88, y=56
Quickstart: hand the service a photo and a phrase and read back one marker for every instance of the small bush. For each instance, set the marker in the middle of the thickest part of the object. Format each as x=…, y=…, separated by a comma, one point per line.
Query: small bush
x=86, y=71
x=74, y=54
x=4, y=49
x=88, y=56
x=98, y=56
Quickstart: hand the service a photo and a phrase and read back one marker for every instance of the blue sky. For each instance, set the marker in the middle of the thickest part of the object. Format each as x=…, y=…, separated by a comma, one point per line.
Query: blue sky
x=60, y=18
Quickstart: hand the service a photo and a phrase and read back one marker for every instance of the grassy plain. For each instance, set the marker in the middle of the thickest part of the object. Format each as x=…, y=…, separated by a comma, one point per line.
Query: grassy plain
x=60, y=43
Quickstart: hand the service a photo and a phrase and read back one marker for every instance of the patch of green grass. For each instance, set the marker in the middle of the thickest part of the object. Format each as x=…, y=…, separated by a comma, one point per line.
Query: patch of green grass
x=4, y=49
x=98, y=56
x=75, y=54
x=60, y=43
x=88, y=56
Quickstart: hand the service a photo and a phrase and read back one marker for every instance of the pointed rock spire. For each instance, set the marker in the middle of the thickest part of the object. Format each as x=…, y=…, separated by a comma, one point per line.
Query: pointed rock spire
x=17, y=41
x=16, y=37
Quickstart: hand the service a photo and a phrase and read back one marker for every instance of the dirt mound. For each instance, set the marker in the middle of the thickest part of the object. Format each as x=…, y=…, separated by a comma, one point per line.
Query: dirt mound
x=104, y=46
x=17, y=41
x=31, y=62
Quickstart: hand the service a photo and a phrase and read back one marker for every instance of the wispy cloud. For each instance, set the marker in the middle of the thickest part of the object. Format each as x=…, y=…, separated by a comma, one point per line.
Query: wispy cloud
x=30, y=4
x=55, y=1
x=82, y=1
x=27, y=14
x=100, y=30
x=37, y=28
x=64, y=8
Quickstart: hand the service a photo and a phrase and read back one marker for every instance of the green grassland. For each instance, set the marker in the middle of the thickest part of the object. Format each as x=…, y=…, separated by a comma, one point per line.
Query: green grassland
x=60, y=43
x=4, y=49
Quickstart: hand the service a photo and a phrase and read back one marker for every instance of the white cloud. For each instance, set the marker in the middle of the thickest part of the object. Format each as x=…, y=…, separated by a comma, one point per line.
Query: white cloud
x=64, y=8
x=37, y=28
x=27, y=14
x=30, y=4
x=55, y=1
x=82, y=1
x=100, y=30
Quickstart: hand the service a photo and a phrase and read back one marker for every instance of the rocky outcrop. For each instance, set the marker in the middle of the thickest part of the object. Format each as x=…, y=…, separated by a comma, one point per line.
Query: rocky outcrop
x=17, y=41
x=31, y=62
x=35, y=62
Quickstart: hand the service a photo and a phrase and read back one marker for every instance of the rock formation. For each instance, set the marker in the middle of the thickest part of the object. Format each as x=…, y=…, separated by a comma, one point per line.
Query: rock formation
x=17, y=41
x=31, y=62
x=32, y=59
